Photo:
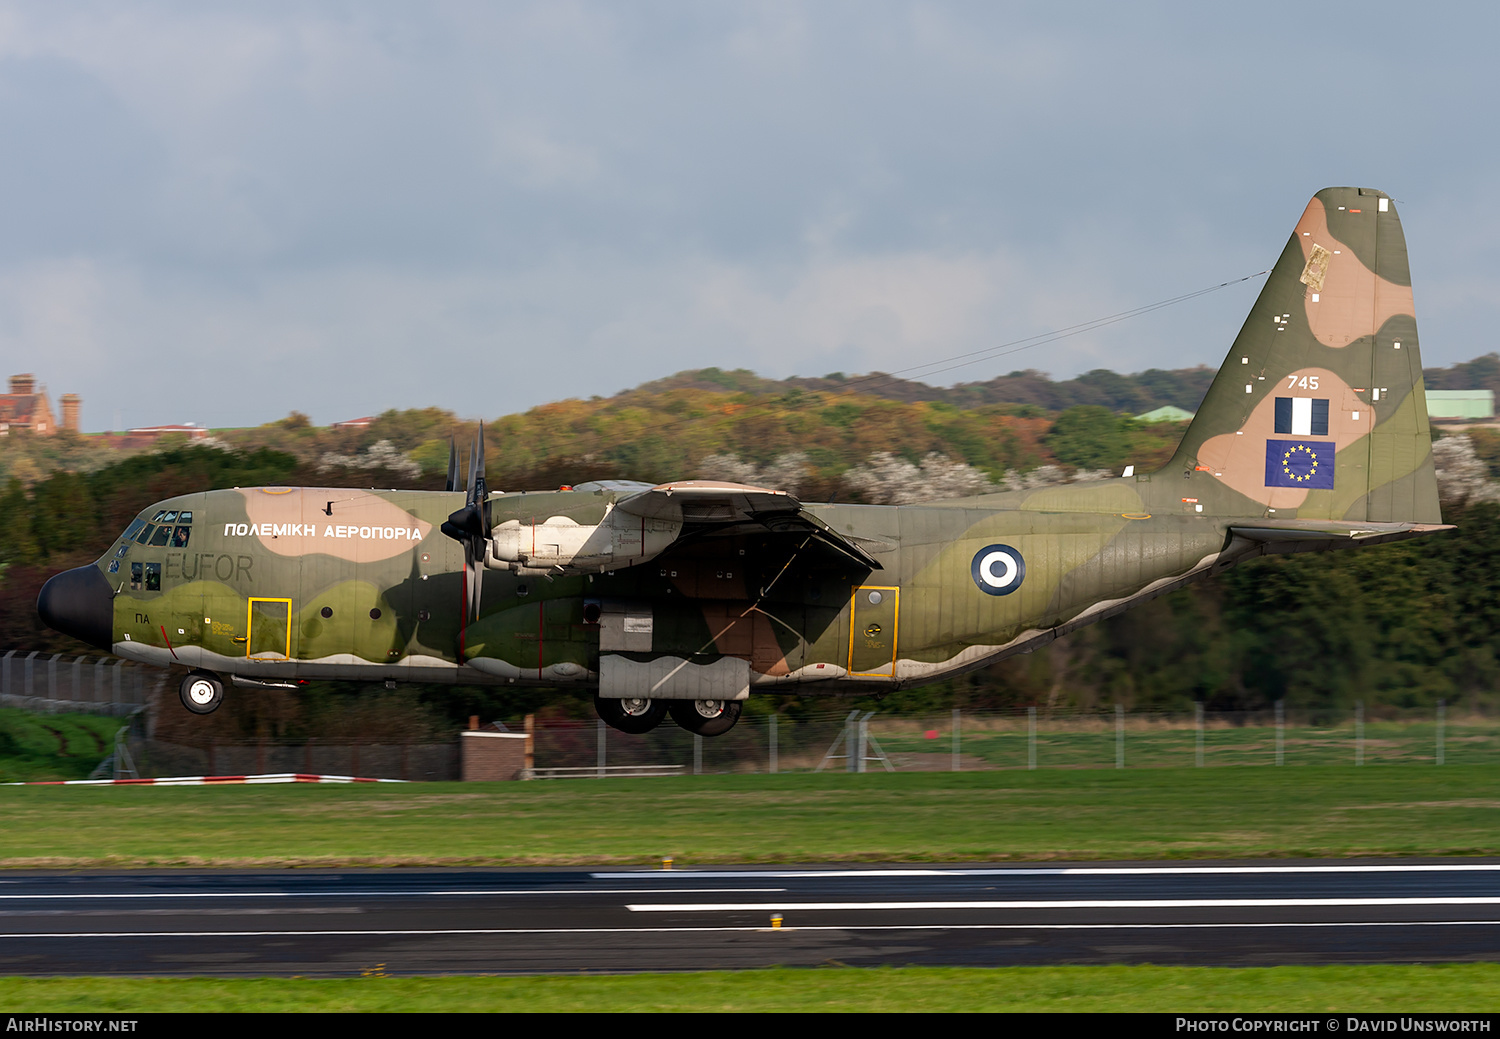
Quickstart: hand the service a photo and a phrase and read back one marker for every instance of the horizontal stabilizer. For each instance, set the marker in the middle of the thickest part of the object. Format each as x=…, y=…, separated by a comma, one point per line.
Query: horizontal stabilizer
x=1308, y=535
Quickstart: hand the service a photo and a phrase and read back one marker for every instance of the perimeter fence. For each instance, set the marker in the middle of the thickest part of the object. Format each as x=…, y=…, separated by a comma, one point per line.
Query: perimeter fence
x=786, y=741
x=59, y=683
x=861, y=741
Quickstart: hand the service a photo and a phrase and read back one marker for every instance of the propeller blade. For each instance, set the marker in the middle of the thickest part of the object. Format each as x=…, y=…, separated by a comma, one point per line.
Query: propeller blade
x=476, y=465
x=470, y=527
x=452, y=464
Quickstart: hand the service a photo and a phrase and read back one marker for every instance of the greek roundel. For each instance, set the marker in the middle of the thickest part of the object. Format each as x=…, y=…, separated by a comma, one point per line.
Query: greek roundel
x=998, y=569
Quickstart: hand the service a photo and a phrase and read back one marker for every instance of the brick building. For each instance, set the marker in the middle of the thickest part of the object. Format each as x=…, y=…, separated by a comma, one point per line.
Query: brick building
x=26, y=407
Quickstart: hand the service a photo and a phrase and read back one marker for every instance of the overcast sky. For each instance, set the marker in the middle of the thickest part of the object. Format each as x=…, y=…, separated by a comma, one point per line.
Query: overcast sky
x=219, y=213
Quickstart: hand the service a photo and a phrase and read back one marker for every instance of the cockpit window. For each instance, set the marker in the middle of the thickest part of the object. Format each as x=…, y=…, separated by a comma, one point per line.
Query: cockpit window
x=168, y=517
x=163, y=532
x=161, y=515
x=144, y=535
x=135, y=577
x=153, y=577
x=132, y=530
x=185, y=516
x=180, y=537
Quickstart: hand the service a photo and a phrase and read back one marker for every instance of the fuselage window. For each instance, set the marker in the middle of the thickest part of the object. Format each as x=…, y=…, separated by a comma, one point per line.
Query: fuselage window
x=180, y=537
x=135, y=577
x=125, y=547
x=144, y=535
x=153, y=577
x=163, y=534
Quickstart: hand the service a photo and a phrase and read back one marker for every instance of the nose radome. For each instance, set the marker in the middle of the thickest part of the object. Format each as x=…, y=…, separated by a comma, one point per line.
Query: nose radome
x=80, y=603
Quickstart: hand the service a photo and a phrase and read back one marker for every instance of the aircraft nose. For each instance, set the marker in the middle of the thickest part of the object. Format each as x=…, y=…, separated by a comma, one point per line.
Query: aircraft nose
x=79, y=602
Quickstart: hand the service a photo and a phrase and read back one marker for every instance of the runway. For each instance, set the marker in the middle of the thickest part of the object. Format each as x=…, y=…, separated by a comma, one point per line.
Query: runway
x=338, y=923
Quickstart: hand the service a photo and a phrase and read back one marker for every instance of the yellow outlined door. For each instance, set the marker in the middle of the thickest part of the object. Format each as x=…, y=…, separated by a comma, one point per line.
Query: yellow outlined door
x=874, y=613
x=269, y=627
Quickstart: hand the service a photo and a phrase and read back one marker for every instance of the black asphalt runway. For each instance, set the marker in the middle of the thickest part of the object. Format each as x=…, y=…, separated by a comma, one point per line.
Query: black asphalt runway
x=340, y=923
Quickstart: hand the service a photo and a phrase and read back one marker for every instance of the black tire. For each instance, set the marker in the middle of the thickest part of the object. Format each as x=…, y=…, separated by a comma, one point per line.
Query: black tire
x=202, y=692
x=694, y=716
x=632, y=716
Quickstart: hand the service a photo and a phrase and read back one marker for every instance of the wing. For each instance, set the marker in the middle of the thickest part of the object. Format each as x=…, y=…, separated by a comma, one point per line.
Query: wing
x=708, y=508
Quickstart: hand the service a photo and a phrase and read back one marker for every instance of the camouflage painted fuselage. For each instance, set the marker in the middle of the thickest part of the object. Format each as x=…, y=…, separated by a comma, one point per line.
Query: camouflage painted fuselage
x=1314, y=435
x=271, y=585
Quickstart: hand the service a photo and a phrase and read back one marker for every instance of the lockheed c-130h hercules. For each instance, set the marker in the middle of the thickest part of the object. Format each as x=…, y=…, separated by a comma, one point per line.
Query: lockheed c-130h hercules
x=683, y=598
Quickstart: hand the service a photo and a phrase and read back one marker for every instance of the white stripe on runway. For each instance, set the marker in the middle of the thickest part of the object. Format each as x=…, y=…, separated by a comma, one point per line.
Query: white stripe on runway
x=785, y=928
x=1045, y=871
x=400, y=894
x=1091, y=903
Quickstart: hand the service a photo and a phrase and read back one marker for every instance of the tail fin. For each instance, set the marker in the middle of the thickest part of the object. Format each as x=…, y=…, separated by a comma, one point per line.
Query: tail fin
x=1319, y=412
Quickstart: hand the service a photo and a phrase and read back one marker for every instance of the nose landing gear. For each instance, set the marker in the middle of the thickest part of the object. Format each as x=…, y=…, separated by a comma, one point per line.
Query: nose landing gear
x=202, y=692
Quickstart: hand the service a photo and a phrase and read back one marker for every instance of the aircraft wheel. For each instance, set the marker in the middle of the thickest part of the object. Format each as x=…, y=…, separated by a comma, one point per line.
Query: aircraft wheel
x=706, y=717
x=202, y=692
x=632, y=715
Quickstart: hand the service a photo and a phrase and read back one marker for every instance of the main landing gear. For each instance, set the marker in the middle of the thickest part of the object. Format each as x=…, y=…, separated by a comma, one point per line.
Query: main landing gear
x=705, y=717
x=632, y=714
x=636, y=715
x=202, y=692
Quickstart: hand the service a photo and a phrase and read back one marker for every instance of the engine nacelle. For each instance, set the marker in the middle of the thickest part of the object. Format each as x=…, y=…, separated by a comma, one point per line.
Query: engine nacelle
x=622, y=539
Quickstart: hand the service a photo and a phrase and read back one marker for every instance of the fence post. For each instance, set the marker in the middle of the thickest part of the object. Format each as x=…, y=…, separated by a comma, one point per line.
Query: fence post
x=1280, y=732
x=1441, y=718
x=1119, y=735
x=851, y=734
x=773, y=742
x=957, y=763
x=697, y=754
x=599, y=765
x=52, y=683
x=5, y=673
x=528, y=764
x=1198, y=737
x=1030, y=738
x=1359, y=732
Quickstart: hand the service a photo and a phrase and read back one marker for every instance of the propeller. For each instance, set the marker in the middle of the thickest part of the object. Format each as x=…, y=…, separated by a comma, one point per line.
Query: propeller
x=470, y=527
x=452, y=464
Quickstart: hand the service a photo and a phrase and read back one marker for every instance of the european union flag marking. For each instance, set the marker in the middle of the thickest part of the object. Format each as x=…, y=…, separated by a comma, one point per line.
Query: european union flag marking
x=1300, y=463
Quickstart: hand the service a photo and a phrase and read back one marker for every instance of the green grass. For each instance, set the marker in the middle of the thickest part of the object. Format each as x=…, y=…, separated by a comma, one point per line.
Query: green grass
x=52, y=746
x=1470, y=988
x=1378, y=810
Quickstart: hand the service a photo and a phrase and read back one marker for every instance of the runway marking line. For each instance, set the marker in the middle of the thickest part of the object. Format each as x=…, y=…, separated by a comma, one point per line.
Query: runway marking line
x=395, y=894
x=1050, y=871
x=1091, y=903
x=756, y=928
